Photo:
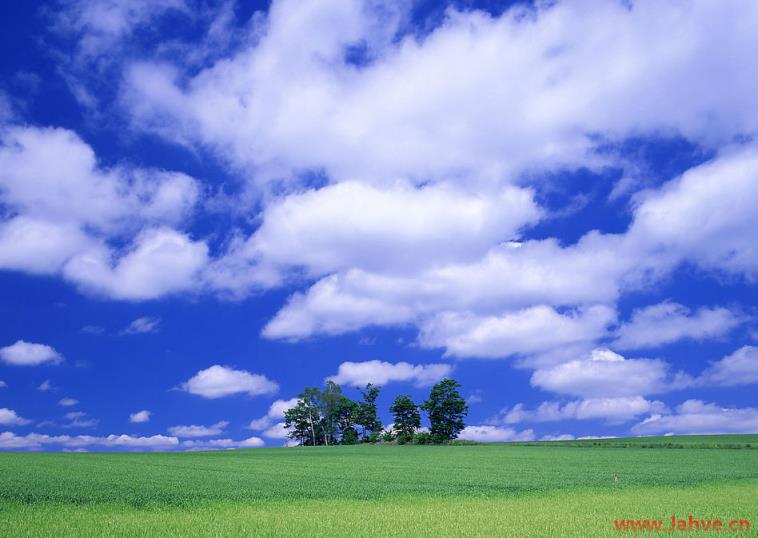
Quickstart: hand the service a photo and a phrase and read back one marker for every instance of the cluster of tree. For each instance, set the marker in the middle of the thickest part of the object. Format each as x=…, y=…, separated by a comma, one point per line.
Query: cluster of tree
x=328, y=417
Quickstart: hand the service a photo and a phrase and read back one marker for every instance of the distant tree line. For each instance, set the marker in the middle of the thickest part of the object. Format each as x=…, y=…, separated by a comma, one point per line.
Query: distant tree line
x=328, y=417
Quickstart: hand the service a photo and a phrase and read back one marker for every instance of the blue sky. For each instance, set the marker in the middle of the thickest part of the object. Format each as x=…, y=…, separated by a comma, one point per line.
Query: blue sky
x=206, y=206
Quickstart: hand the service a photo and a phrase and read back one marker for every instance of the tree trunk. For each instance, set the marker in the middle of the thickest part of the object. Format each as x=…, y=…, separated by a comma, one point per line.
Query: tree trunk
x=313, y=431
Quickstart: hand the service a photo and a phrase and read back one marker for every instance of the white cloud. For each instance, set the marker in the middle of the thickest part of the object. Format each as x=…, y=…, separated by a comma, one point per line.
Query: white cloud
x=154, y=441
x=63, y=208
x=536, y=329
x=739, y=368
x=68, y=402
x=3, y=384
x=537, y=272
x=101, y=26
x=219, y=381
x=275, y=412
x=160, y=261
x=10, y=441
x=277, y=431
x=38, y=246
x=291, y=102
x=28, y=354
x=45, y=386
x=364, y=288
x=77, y=420
x=222, y=444
x=355, y=225
x=140, y=417
x=720, y=197
x=198, y=431
x=612, y=410
x=698, y=417
x=490, y=434
x=381, y=373
x=142, y=325
x=52, y=175
x=604, y=374
x=666, y=322
x=8, y=417
x=559, y=437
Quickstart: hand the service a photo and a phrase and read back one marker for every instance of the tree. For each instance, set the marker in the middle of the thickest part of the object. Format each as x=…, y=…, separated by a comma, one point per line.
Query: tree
x=329, y=401
x=446, y=409
x=365, y=416
x=304, y=420
x=345, y=417
x=407, y=418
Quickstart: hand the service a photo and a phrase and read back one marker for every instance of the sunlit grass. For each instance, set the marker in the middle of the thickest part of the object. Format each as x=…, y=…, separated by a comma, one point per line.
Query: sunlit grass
x=371, y=490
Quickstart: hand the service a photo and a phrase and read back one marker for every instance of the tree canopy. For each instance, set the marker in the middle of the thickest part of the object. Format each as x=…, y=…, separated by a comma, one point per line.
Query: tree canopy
x=446, y=409
x=328, y=417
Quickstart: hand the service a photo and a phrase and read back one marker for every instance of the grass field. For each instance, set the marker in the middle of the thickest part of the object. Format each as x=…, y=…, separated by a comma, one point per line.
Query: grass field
x=481, y=490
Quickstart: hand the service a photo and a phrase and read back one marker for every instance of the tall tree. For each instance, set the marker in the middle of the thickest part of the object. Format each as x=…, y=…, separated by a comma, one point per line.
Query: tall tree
x=365, y=416
x=446, y=409
x=304, y=421
x=345, y=417
x=407, y=418
x=330, y=400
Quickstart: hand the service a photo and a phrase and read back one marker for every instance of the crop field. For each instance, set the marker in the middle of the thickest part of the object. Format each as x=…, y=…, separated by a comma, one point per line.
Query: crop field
x=384, y=490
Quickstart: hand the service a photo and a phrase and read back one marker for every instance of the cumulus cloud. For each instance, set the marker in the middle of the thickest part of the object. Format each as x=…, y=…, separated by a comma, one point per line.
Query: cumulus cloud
x=604, y=374
x=665, y=323
x=423, y=190
x=739, y=368
x=68, y=402
x=219, y=381
x=277, y=431
x=532, y=330
x=612, y=410
x=160, y=261
x=355, y=225
x=719, y=196
x=698, y=417
x=11, y=441
x=198, y=431
x=140, y=417
x=292, y=103
x=3, y=384
x=28, y=354
x=142, y=325
x=491, y=434
x=381, y=373
x=63, y=207
x=9, y=417
x=222, y=444
x=275, y=412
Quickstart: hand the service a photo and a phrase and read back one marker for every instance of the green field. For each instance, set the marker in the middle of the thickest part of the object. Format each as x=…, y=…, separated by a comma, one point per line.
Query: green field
x=480, y=490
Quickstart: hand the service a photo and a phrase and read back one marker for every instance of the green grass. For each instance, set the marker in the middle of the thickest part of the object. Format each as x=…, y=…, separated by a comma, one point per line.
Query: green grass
x=481, y=490
x=744, y=441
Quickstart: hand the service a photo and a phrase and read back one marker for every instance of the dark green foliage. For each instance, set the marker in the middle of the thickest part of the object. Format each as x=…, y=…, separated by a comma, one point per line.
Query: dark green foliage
x=446, y=409
x=304, y=420
x=345, y=418
x=407, y=418
x=366, y=414
x=325, y=417
x=422, y=438
x=330, y=403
